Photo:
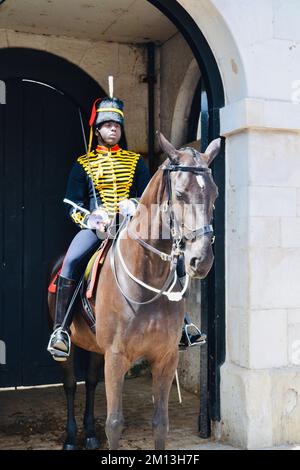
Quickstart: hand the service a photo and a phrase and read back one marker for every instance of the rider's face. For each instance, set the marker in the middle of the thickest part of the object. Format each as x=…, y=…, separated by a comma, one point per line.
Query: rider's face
x=109, y=133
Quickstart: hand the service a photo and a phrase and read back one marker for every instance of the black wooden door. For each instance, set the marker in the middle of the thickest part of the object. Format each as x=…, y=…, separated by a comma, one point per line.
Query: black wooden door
x=10, y=241
x=40, y=138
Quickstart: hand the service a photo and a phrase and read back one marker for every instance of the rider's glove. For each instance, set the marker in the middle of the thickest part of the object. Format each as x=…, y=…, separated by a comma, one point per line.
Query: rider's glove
x=98, y=219
x=127, y=207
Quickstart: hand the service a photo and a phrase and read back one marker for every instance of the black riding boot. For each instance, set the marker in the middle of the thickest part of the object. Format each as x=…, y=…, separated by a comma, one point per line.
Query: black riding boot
x=59, y=344
x=191, y=335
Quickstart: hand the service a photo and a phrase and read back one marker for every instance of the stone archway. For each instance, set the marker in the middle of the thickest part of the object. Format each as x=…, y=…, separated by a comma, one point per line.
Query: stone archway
x=183, y=105
x=182, y=14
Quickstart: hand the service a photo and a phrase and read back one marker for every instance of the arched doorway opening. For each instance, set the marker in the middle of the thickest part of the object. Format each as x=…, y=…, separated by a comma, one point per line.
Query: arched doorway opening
x=212, y=99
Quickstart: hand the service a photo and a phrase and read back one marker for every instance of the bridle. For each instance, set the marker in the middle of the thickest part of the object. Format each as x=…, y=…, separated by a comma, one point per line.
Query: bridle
x=176, y=233
x=178, y=240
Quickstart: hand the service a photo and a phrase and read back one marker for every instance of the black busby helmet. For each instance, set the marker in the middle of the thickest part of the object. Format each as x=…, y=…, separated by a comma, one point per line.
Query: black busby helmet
x=107, y=109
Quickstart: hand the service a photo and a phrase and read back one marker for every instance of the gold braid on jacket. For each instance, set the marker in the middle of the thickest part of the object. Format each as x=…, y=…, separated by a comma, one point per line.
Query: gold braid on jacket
x=112, y=174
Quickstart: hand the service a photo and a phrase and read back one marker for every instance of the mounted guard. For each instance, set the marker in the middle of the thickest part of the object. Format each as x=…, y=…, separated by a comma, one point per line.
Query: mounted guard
x=105, y=181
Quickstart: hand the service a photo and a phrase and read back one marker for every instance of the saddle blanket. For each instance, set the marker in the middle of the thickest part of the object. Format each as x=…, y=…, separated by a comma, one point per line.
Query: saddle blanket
x=91, y=274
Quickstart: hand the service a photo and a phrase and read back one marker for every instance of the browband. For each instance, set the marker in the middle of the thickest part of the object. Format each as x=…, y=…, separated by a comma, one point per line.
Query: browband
x=192, y=169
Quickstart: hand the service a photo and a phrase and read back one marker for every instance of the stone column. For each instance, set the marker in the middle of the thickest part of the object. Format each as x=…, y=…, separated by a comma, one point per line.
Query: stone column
x=260, y=381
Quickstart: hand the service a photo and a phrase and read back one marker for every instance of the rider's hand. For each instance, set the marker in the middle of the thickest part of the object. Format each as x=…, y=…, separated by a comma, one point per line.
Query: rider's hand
x=127, y=207
x=98, y=220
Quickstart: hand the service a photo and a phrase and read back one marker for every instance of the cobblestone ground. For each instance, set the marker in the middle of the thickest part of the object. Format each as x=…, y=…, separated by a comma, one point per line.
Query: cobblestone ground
x=35, y=418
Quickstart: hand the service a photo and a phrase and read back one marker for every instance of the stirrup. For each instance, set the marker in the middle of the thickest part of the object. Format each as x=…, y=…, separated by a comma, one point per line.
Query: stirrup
x=193, y=337
x=58, y=354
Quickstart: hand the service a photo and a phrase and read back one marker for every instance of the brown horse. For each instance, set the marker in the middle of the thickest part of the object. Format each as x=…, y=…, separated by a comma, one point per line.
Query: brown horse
x=133, y=321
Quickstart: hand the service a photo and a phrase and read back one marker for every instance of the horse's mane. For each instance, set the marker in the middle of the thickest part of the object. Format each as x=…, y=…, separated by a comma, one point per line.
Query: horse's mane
x=190, y=149
x=195, y=155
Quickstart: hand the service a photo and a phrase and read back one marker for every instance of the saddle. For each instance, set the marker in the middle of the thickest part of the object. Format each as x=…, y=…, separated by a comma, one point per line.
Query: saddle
x=88, y=282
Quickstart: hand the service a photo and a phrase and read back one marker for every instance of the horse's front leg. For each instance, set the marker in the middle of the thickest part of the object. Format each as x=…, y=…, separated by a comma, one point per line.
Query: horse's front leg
x=69, y=382
x=92, y=379
x=116, y=366
x=163, y=372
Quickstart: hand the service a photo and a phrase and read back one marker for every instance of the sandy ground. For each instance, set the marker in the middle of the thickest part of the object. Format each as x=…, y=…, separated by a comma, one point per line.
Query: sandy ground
x=35, y=418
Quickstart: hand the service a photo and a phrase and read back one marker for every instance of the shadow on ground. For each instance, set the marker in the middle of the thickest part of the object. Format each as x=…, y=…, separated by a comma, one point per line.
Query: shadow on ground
x=35, y=418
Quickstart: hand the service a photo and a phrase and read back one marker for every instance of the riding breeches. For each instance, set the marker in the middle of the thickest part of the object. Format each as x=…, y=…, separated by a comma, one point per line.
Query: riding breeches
x=82, y=246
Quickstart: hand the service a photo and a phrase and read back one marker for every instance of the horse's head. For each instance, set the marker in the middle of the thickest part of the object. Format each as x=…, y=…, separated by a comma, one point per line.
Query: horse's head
x=192, y=197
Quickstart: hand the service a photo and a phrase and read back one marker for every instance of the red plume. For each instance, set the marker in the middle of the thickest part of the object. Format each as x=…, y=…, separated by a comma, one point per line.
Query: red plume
x=94, y=112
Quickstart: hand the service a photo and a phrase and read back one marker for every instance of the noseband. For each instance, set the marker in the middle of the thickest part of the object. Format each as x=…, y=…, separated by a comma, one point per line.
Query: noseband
x=178, y=241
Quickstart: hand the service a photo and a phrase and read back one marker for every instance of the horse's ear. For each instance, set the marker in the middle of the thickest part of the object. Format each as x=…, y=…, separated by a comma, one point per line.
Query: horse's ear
x=212, y=151
x=168, y=148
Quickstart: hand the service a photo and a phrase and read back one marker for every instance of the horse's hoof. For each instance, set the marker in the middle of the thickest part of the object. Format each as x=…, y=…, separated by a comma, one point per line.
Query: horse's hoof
x=67, y=446
x=92, y=443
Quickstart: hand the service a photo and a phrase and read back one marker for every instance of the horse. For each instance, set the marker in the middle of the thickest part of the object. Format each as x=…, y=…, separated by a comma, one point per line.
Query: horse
x=139, y=301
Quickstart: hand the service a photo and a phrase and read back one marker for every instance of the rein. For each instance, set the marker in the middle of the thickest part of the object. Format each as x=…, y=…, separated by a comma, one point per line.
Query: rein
x=166, y=288
x=178, y=242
